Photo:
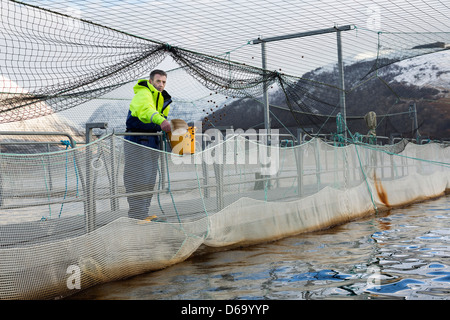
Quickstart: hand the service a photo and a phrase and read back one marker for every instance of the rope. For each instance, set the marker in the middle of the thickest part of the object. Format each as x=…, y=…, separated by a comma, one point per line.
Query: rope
x=67, y=144
x=48, y=193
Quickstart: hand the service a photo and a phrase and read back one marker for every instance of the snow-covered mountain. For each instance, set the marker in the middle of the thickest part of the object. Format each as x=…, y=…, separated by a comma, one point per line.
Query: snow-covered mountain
x=428, y=70
x=431, y=70
x=424, y=80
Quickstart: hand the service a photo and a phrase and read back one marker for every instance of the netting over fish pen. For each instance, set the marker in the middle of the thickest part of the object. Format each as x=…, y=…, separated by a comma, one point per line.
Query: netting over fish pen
x=56, y=57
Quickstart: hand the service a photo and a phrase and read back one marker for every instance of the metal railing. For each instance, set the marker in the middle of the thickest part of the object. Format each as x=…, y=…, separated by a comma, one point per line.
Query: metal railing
x=219, y=183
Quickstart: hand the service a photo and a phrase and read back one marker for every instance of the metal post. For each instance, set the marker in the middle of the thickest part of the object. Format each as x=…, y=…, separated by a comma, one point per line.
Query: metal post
x=415, y=122
x=114, y=201
x=318, y=164
x=298, y=152
x=89, y=207
x=162, y=161
x=218, y=172
x=265, y=94
x=342, y=84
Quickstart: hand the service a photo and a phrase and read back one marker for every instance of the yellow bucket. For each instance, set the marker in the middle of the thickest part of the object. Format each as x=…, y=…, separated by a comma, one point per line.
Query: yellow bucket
x=182, y=137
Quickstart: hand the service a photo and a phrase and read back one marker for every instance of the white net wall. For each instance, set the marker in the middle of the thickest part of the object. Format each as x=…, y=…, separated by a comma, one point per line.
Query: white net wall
x=64, y=216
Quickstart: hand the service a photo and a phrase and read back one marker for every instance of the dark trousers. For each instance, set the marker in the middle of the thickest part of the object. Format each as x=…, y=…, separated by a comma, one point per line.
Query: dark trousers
x=141, y=167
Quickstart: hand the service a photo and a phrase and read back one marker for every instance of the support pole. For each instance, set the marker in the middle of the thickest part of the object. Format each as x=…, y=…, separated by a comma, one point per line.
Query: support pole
x=415, y=125
x=342, y=85
x=89, y=205
x=267, y=124
x=265, y=93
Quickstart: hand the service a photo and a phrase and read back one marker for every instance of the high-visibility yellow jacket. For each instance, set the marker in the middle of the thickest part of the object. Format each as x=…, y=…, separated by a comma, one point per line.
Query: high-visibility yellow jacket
x=148, y=108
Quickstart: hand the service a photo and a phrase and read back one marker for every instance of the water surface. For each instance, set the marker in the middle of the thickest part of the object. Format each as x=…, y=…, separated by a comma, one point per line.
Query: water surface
x=400, y=254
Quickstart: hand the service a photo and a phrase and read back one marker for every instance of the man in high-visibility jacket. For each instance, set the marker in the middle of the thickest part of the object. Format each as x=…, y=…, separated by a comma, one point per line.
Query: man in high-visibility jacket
x=148, y=112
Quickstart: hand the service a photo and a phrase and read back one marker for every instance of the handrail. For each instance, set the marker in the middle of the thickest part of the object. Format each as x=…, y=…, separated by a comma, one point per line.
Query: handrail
x=37, y=133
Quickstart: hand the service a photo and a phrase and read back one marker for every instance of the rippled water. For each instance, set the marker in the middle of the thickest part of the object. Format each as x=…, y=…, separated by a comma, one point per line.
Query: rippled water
x=401, y=254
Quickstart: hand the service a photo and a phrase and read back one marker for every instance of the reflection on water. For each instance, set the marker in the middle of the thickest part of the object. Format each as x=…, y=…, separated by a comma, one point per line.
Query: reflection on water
x=401, y=254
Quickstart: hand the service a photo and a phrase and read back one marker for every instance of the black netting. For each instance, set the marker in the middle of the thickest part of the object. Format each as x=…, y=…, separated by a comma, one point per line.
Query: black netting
x=52, y=62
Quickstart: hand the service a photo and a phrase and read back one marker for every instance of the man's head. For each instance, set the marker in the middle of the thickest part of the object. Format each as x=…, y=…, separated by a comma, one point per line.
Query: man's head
x=158, y=79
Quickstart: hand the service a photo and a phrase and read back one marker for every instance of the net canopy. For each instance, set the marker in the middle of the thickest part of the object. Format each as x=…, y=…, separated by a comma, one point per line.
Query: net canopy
x=57, y=56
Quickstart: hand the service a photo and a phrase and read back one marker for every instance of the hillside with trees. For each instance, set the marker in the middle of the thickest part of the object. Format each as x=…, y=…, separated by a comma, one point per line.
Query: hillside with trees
x=389, y=98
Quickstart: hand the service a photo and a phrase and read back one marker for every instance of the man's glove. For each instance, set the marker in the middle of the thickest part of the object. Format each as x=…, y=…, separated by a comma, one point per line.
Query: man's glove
x=165, y=126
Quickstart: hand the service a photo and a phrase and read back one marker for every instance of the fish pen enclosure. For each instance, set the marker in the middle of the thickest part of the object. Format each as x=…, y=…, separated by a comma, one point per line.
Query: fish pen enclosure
x=64, y=223
x=338, y=112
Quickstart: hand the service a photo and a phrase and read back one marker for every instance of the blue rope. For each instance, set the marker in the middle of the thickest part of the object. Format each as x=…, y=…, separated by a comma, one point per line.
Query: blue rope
x=48, y=195
x=67, y=144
